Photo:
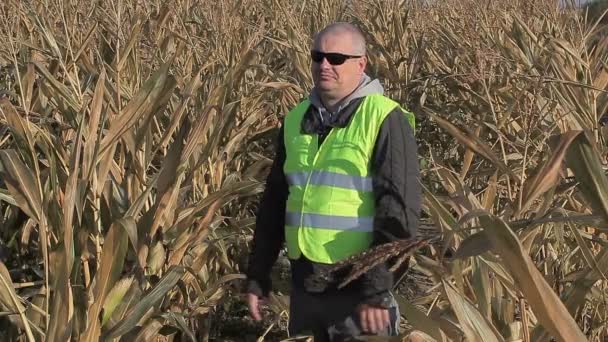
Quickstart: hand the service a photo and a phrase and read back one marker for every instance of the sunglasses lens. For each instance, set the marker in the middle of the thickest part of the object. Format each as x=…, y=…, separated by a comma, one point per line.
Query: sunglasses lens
x=317, y=56
x=336, y=58
x=332, y=58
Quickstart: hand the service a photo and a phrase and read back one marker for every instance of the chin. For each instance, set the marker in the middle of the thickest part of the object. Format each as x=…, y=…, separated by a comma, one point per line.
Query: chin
x=325, y=86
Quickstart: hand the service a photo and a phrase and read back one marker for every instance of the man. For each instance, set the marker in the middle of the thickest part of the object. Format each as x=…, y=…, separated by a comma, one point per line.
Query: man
x=345, y=179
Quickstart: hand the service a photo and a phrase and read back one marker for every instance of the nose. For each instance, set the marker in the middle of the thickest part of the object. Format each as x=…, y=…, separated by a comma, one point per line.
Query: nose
x=324, y=64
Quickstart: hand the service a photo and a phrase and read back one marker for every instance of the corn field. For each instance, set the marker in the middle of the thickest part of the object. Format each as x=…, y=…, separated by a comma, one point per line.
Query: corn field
x=136, y=135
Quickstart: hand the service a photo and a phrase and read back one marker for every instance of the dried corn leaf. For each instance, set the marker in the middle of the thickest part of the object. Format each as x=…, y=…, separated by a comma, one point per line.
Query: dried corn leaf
x=115, y=297
x=548, y=175
x=133, y=316
x=419, y=320
x=110, y=268
x=547, y=306
x=474, y=325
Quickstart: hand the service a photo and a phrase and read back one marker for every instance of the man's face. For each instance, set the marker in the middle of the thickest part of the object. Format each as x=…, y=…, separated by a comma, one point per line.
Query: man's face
x=337, y=81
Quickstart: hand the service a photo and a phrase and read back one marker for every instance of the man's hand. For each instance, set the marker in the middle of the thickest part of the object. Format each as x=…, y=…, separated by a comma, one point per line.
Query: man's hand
x=373, y=319
x=254, y=302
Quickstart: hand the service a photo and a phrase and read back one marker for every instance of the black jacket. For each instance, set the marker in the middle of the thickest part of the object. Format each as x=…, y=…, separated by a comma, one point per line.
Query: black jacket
x=396, y=184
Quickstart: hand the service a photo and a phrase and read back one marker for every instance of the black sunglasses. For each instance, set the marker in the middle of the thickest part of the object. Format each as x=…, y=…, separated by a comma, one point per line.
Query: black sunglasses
x=334, y=58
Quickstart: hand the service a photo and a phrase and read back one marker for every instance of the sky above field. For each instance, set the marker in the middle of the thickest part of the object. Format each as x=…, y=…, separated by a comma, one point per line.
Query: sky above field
x=579, y=2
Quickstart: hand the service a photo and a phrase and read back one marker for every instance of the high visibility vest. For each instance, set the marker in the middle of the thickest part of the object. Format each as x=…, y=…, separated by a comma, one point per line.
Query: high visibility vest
x=330, y=206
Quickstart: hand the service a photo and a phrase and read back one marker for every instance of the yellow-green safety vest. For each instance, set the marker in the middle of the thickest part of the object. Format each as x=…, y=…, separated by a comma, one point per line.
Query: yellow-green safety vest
x=330, y=206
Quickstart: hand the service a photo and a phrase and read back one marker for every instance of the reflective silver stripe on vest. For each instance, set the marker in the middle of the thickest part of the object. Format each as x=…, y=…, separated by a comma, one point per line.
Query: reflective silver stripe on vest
x=353, y=224
x=331, y=179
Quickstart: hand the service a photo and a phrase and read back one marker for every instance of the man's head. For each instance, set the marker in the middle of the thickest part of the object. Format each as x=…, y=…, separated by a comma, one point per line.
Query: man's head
x=338, y=61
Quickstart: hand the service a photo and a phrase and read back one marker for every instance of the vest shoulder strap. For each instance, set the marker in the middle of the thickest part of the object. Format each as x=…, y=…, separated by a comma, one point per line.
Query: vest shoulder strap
x=387, y=102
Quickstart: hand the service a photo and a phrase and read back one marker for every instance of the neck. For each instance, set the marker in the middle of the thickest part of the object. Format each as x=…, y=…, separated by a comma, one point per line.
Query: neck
x=330, y=103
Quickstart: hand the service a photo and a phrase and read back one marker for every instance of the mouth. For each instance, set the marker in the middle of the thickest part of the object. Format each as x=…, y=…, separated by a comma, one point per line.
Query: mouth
x=325, y=77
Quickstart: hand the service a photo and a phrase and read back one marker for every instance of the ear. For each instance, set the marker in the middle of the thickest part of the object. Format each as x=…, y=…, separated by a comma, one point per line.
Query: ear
x=362, y=63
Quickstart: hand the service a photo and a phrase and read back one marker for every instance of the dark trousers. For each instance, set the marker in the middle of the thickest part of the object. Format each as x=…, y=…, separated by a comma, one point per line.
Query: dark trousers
x=332, y=316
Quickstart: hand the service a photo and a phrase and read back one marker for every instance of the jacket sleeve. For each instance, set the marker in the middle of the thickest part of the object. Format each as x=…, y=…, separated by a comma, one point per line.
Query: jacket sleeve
x=397, y=193
x=269, y=233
